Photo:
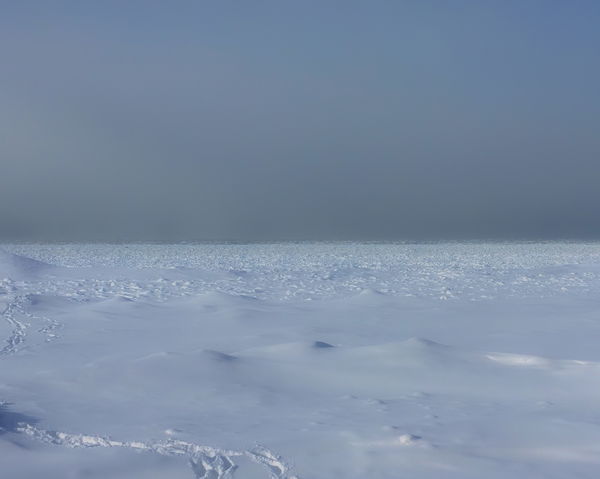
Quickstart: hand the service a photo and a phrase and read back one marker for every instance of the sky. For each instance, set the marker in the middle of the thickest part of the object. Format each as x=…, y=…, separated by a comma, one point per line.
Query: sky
x=270, y=120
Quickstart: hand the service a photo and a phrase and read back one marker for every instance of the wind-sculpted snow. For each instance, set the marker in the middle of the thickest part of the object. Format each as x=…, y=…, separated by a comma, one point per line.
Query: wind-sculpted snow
x=380, y=361
x=20, y=267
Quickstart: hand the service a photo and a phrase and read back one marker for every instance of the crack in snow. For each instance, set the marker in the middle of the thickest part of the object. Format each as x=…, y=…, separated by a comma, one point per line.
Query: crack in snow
x=205, y=461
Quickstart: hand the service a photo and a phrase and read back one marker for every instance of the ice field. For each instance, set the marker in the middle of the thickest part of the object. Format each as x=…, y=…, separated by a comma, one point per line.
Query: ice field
x=309, y=361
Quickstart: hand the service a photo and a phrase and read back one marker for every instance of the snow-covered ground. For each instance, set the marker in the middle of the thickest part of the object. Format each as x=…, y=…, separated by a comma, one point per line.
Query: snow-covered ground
x=315, y=361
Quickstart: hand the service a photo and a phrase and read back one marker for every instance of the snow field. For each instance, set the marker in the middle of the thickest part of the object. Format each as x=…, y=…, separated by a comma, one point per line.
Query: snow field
x=300, y=361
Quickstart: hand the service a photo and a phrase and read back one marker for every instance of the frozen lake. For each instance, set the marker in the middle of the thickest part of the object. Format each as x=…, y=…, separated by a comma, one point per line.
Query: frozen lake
x=310, y=361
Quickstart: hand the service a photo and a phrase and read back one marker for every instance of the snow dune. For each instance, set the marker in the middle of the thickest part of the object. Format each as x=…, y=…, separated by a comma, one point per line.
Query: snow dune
x=311, y=361
x=16, y=267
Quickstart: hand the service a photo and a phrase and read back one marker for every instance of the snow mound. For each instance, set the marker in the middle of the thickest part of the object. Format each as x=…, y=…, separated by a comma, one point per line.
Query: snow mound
x=172, y=365
x=368, y=296
x=18, y=267
x=286, y=351
x=218, y=355
x=322, y=344
x=539, y=362
x=216, y=299
x=413, y=350
x=195, y=358
x=43, y=302
x=371, y=293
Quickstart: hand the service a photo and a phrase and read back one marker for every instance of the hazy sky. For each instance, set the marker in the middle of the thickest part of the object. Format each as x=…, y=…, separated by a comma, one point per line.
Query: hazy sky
x=299, y=119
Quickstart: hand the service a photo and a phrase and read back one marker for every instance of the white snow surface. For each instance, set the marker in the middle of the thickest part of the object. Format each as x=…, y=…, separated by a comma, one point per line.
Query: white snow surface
x=309, y=361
